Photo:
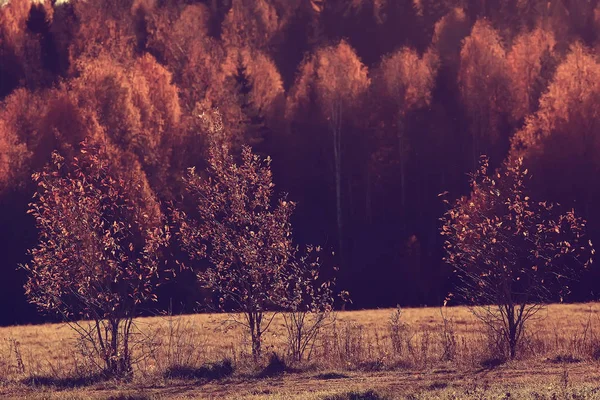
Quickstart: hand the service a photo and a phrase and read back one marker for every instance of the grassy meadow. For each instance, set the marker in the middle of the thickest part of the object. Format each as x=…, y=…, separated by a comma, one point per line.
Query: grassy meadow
x=359, y=355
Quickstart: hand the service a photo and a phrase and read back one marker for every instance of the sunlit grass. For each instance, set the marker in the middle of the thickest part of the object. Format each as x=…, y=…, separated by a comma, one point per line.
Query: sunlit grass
x=353, y=354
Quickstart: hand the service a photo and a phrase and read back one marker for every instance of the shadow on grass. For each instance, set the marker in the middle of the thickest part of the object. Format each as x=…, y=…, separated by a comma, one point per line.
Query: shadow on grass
x=331, y=375
x=216, y=371
x=371, y=366
x=65, y=382
x=368, y=395
x=492, y=363
x=564, y=359
x=437, y=386
x=276, y=367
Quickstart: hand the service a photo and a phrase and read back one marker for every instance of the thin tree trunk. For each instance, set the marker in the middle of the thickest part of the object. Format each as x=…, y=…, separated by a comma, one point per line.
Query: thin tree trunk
x=368, y=206
x=402, y=158
x=513, y=340
x=255, y=335
x=114, y=348
x=337, y=154
x=402, y=183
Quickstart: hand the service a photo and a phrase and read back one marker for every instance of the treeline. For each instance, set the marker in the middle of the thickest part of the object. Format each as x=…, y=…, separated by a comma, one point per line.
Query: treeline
x=368, y=108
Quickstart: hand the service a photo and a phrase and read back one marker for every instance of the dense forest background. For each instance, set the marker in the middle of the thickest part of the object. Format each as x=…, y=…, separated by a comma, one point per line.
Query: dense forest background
x=369, y=109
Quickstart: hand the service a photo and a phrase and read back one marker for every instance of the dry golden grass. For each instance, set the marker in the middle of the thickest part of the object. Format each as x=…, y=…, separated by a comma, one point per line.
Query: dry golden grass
x=355, y=353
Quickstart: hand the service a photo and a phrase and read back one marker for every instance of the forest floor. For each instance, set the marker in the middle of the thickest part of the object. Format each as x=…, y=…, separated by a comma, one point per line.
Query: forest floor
x=427, y=354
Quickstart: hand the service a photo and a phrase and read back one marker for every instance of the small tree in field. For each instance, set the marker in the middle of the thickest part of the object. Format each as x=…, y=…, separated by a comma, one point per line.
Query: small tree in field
x=97, y=257
x=246, y=238
x=511, y=254
x=308, y=301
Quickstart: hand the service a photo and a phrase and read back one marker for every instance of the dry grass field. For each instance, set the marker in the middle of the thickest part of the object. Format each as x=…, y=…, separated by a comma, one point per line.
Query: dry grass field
x=362, y=355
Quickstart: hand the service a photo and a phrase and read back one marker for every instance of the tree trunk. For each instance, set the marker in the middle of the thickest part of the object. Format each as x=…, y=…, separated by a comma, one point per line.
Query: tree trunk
x=337, y=157
x=255, y=335
x=113, y=361
x=368, y=206
x=402, y=158
x=116, y=356
x=512, y=332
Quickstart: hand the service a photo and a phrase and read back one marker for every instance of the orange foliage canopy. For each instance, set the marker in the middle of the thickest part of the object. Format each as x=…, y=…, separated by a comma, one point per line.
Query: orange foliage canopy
x=448, y=34
x=569, y=108
x=483, y=84
x=525, y=62
x=335, y=77
x=250, y=23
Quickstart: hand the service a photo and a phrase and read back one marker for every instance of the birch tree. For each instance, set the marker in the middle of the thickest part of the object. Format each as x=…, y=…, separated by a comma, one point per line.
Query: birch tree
x=332, y=83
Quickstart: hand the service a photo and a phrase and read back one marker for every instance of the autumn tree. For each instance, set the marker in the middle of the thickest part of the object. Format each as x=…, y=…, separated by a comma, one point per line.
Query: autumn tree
x=138, y=109
x=173, y=30
x=402, y=83
x=246, y=238
x=561, y=140
x=98, y=256
x=483, y=86
x=22, y=60
x=230, y=74
x=448, y=34
x=530, y=62
x=160, y=117
x=40, y=122
x=250, y=24
x=331, y=86
x=597, y=26
x=19, y=127
x=13, y=156
x=511, y=253
x=568, y=21
x=179, y=38
x=251, y=97
x=106, y=26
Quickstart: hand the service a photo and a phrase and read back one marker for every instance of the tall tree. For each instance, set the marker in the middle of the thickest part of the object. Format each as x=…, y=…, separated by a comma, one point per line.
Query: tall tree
x=160, y=116
x=402, y=83
x=138, y=108
x=103, y=27
x=254, y=90
x=250, y=23
x=21, y=46
x=528, y=62
x=13, y=157
x=448, y=34
x=562, y=139
x=331, y=84
x=483, y=83
x=173, y=30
